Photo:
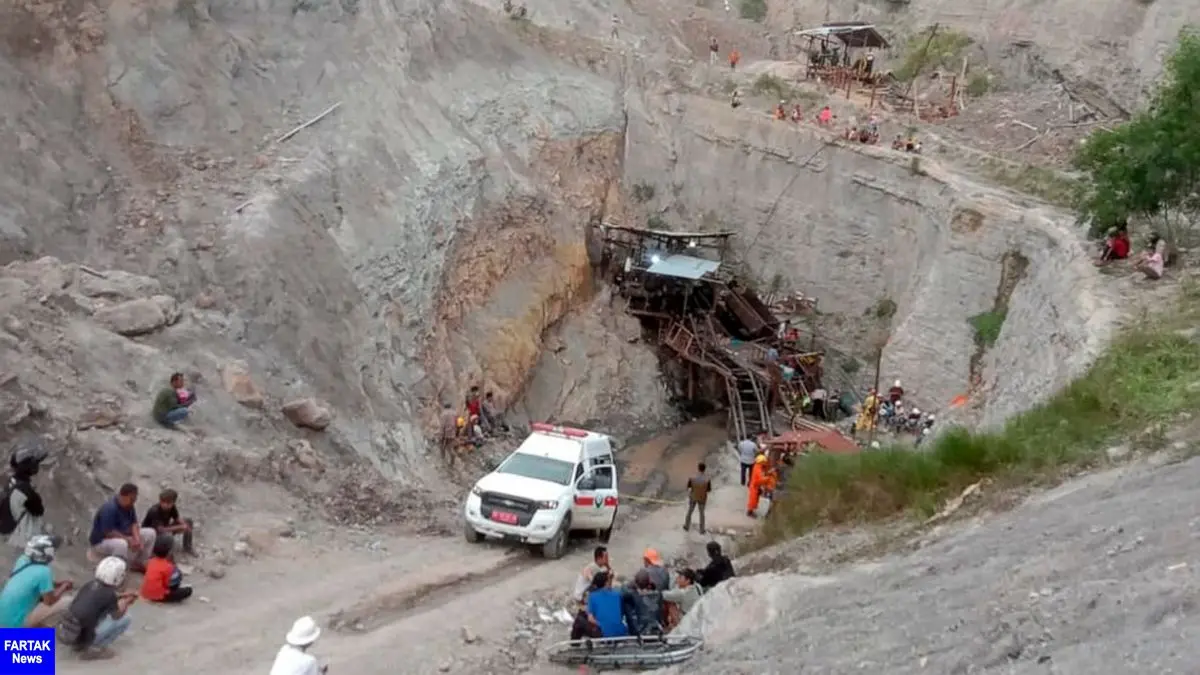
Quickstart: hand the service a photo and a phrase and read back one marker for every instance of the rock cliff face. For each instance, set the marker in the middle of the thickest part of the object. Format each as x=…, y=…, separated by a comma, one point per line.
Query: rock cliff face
x=859, y=226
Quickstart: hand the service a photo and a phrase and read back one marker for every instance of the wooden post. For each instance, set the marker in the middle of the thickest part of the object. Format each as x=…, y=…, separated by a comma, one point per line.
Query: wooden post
x=874, y=85
x=849, y=82
x=691, y=381
x=878, y=367
x=953, y=90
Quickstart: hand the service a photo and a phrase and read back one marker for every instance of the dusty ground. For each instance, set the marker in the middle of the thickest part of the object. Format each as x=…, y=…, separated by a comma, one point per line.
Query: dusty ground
x=456, y=607
x=1098, y=575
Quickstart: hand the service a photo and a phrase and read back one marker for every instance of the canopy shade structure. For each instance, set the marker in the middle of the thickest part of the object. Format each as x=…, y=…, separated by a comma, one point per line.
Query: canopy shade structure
x=852, y=34
x=683, y=266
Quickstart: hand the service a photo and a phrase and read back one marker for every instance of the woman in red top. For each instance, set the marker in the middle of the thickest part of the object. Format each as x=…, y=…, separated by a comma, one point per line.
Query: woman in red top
x=1116, y=246
x=163, y=581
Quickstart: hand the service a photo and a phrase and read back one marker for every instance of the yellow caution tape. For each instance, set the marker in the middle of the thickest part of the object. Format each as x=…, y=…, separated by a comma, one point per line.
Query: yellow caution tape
x=651, y=500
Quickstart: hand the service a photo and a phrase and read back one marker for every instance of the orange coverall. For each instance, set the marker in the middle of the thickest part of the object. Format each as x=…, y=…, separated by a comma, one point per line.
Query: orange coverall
x=757, y=483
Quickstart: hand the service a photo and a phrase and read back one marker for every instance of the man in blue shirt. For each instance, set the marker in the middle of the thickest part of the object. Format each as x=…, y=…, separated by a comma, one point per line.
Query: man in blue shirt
x=31, y=598
x=604, y=607
x=115, y=530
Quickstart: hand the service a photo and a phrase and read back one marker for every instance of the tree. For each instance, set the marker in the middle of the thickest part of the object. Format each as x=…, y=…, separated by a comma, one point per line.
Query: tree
x=1149, y=166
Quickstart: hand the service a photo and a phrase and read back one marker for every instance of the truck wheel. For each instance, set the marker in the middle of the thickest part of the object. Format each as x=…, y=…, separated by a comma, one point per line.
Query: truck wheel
x=606, y=535
x=557, y=546
x=472, y=536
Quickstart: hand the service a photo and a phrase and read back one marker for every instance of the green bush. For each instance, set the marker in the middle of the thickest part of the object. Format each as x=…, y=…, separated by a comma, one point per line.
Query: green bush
x=643, y=192
x=978, y=84
x=987, y=327
x=755, y=10
x=772, y=87
x=1143, y=381
x=943, y=51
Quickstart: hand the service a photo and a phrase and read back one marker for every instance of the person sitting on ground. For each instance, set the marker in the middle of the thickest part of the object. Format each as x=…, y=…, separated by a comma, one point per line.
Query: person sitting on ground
x=25, y=513
x=653, y=565
x=99, y=613
x=825, y=117
x=604, y=608
x=1116, y=245
x=735, y=99
x=780, y=111
x=584, y=581
x=1152, y=261
x=293, y=657
x=647, y=604
x=474, y=403
x=898, y=142
x=173, y=403
x=896, y=392
x=912, y=145
x=163, y=581
x=491, y=415
x=864, y=135
x=719, y=568
x=797, y=114
x=474, y=433
x=684, y=596
x=31, y=597
x=115, y=530
x=164, y=518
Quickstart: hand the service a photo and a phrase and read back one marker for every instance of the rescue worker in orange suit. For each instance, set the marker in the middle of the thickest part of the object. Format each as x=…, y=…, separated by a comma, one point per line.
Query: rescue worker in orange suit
x=757, y=483
x=770, y=482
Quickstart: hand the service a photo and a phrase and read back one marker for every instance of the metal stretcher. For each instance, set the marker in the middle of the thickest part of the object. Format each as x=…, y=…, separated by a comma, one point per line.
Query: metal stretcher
x=636, y=653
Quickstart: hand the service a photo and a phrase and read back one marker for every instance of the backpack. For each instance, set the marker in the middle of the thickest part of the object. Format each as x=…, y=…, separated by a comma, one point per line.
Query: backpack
x=7, y=522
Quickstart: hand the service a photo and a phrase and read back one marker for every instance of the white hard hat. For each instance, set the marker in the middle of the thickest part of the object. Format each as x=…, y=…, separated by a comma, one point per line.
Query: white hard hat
x=111, y=571
x=874, y=445
x=931, y=418
x=916, y=411
x=897, y=384
x=303, y=633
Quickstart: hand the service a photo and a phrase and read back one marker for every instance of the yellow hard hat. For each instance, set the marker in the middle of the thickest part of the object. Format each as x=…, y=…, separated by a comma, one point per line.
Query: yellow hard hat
x=461, y=422
x=761, y=459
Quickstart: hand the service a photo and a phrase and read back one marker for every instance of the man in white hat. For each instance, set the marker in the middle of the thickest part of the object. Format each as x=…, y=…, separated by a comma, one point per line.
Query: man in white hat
x=293, y=658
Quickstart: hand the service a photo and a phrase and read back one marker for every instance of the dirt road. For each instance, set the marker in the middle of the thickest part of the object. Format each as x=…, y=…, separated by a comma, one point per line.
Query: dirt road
x=431, y=604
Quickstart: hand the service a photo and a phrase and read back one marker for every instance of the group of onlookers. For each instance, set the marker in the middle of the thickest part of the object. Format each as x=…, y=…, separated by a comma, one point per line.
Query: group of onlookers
x=649, y=603
x=97, y=614
x=471, y=426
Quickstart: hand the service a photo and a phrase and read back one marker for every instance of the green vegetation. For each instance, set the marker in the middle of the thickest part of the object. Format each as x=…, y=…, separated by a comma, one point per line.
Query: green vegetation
x=987, y=327
x=884, y=309
x=1143, y=382
x=1051, y=186
x=978, y=84
x=656, y=222
x=851, y=366
x=943, y=51
x=772, y=87
x=643, y=192
x=755, y=10
x=778, y=89
x=1149, y=167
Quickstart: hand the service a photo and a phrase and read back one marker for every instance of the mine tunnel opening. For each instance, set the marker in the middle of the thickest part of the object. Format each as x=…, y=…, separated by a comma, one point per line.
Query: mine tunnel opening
x=721, y=345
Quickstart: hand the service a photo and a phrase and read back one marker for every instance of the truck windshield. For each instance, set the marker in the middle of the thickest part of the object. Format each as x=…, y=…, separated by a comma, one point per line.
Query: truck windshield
x=541, y=468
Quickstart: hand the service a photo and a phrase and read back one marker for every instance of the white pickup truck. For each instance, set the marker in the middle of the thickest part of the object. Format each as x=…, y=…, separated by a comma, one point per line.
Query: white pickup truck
x=560, y=480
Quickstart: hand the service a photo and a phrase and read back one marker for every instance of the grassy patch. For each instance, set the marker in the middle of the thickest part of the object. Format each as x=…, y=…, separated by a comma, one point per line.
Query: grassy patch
x=772, y=87
x=1142, y=383
x=987, y=327
x=1049, y=185
x=978, y=84
x=643, y=192
x=755, y=10
x=922, y=54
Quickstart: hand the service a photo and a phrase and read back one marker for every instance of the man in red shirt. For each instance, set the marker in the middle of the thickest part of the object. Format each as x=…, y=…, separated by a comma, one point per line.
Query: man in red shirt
x=474, y=403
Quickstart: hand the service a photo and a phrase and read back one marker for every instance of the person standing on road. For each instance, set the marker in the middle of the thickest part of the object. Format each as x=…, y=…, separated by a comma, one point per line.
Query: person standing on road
x=714, y=50
x=449, y=433
x=747, y=451
x=616, y=23
x=698, y=487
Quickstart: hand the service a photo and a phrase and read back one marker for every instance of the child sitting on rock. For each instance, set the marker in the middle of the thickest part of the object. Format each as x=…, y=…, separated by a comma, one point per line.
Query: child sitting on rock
x=163, y=581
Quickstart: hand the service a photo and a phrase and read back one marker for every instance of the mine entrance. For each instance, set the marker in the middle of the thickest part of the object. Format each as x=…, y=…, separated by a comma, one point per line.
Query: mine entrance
x=726, y=346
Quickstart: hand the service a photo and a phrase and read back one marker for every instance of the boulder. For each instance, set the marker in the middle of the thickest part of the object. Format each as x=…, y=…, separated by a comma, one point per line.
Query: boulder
x=138, y=317
x=303, y=454
x=235, y=376
x=117, y=285
x=308, y=413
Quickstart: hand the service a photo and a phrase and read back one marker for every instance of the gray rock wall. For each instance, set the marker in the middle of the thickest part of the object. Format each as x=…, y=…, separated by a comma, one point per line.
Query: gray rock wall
x=854, y=225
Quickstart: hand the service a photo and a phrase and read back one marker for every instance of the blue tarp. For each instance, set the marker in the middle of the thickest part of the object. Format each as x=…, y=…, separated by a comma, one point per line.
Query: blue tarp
x=683, y=266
